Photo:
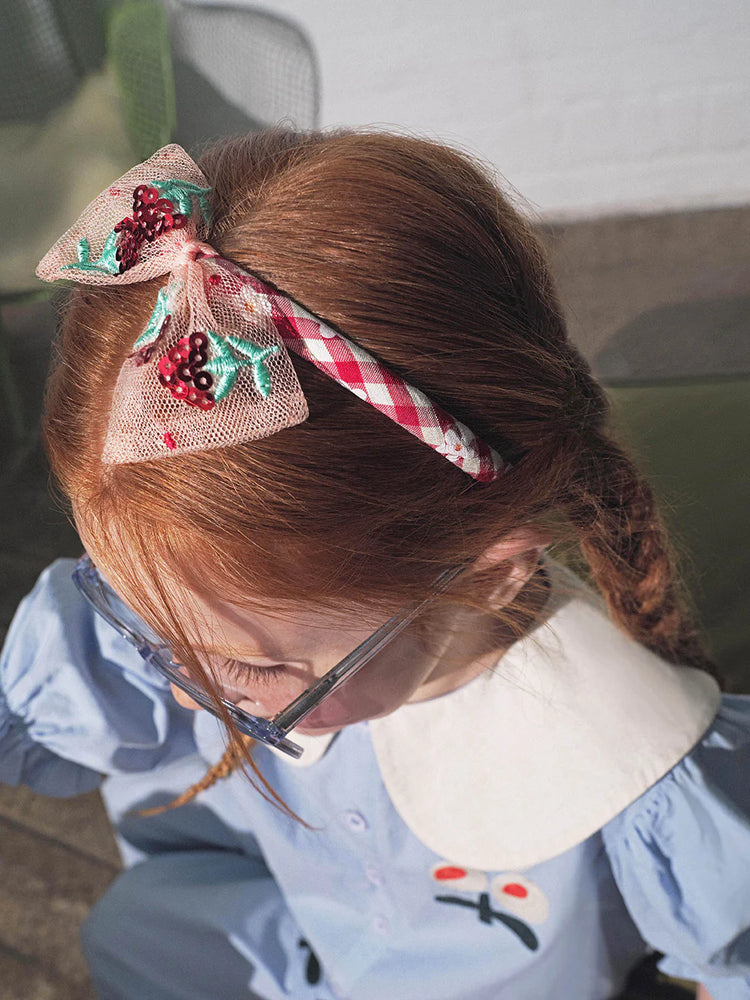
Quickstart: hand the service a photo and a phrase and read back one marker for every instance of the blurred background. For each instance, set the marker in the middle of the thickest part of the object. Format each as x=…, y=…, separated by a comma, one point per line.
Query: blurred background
x=621, y=129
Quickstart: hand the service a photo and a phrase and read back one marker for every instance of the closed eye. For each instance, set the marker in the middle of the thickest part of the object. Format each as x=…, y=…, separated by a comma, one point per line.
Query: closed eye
x=244, y=673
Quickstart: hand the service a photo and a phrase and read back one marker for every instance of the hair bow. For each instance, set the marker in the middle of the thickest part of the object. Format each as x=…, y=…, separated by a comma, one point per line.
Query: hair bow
x=212, y=366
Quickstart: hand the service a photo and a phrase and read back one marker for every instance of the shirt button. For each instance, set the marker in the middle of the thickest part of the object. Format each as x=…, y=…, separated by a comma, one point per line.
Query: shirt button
x=381, y=925
x=374, y=875
x=355, y=821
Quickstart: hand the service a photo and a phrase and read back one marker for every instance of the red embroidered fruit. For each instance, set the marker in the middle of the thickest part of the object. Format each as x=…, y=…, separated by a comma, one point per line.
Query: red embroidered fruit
x=166, y=366
x=514, y=889
x=152, y=216
x=180, y=371
x=449, y=872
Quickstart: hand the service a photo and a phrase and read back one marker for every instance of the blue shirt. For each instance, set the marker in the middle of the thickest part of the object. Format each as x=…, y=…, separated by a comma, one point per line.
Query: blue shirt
x=227, y=897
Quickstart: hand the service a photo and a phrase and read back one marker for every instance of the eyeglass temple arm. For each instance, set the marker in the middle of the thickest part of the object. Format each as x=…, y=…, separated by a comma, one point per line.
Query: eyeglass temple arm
x=293, y=714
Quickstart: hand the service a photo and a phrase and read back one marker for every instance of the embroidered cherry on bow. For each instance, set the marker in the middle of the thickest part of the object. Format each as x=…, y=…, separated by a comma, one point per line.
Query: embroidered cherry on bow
x=181, y=371
x=152, y=216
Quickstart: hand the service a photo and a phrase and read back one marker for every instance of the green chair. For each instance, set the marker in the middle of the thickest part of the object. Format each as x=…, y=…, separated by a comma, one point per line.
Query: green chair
x=138, y=47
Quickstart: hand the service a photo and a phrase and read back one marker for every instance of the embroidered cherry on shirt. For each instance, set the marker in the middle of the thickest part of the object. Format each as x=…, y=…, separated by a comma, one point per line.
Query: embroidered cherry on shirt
x=515, y=893
x=514, y=889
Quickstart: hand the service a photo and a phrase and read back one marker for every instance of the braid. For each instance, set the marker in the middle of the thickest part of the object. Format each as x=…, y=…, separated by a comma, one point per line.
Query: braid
x=624, y=541
x=232, y=760
x=237, y=756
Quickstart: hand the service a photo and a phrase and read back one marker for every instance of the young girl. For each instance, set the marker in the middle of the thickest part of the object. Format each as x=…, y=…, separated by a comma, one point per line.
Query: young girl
x=318, y=388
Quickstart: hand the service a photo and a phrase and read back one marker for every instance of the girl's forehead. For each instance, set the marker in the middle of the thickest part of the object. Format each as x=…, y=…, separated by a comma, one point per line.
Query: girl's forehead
x=209, y=621
x=225, y=627
x=245, y=632
x=282, y=634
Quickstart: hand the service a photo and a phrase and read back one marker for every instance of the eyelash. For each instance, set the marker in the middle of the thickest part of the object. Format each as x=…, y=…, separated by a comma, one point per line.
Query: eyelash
x=235, y=670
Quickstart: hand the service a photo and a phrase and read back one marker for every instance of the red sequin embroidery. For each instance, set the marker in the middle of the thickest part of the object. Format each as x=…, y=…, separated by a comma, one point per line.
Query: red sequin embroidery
x=152, y=216
x=181, y=371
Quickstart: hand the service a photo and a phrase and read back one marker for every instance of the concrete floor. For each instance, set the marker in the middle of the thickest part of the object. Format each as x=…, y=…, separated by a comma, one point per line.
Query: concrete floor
x=618, y=277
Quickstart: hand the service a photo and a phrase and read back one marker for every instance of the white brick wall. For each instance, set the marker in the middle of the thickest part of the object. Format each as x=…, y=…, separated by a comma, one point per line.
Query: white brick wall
x=586, y=106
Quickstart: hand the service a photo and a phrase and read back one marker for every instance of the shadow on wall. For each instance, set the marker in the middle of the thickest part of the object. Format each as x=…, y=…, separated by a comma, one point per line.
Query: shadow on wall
x=689, y=437
x=696, y=340
x=680, y=378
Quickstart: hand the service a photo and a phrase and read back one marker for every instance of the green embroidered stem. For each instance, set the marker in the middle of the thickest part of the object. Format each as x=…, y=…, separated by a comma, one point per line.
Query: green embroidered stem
x=179, y=193
x=224, y=366
x=155, y=320
x=107, y=262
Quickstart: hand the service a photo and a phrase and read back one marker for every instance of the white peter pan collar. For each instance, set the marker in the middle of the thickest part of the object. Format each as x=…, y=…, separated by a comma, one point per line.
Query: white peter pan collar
x=526, y=761
x=531, y=758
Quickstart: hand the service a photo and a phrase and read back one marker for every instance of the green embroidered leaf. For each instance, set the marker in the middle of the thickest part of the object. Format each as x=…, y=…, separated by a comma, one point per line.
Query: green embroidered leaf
x=107, y=262
x=179, y=193
x=224, y=366
x=163, y=306
x=256, y=355
x=155, y=320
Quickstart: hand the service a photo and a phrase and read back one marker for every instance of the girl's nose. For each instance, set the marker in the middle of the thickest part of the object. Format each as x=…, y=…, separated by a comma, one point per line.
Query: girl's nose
x=257, y=708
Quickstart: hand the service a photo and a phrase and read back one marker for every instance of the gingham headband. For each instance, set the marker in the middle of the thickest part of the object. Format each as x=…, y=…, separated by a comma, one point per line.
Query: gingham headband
x=212, y=366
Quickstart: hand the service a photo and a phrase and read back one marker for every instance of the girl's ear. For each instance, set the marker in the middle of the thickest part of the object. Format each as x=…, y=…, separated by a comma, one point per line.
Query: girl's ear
x=519, y=551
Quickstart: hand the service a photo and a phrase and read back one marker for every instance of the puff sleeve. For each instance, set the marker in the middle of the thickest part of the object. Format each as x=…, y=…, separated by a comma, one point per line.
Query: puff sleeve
x=680, y=855
x=76, y=700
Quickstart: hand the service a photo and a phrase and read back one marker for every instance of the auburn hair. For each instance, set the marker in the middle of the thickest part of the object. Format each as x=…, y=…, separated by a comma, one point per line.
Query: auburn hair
x=410, y=249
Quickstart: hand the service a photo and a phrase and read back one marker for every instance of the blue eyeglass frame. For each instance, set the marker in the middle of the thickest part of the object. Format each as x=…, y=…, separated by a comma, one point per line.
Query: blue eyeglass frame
x=273, y=732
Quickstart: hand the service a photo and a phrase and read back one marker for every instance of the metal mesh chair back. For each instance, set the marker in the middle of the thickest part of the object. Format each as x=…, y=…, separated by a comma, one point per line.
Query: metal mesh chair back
x=46, y=48
x=239, y=68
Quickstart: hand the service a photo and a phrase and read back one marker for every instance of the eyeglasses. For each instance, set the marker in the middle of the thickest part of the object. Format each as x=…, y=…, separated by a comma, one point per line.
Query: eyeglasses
x=272, y=732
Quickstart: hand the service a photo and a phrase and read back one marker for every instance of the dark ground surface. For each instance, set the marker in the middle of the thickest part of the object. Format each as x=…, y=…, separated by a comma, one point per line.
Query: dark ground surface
x=652, y=297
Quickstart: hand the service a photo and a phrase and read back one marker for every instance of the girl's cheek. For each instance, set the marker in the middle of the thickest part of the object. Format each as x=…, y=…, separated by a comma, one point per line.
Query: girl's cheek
x=267, y=700
x=184, y=699
x=378, y=689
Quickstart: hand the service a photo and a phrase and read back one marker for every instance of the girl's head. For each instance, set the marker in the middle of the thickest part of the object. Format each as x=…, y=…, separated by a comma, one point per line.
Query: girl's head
x=410, y=249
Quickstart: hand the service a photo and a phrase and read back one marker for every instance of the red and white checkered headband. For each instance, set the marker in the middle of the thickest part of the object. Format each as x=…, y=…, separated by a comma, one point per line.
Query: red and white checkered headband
x=212, y=366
